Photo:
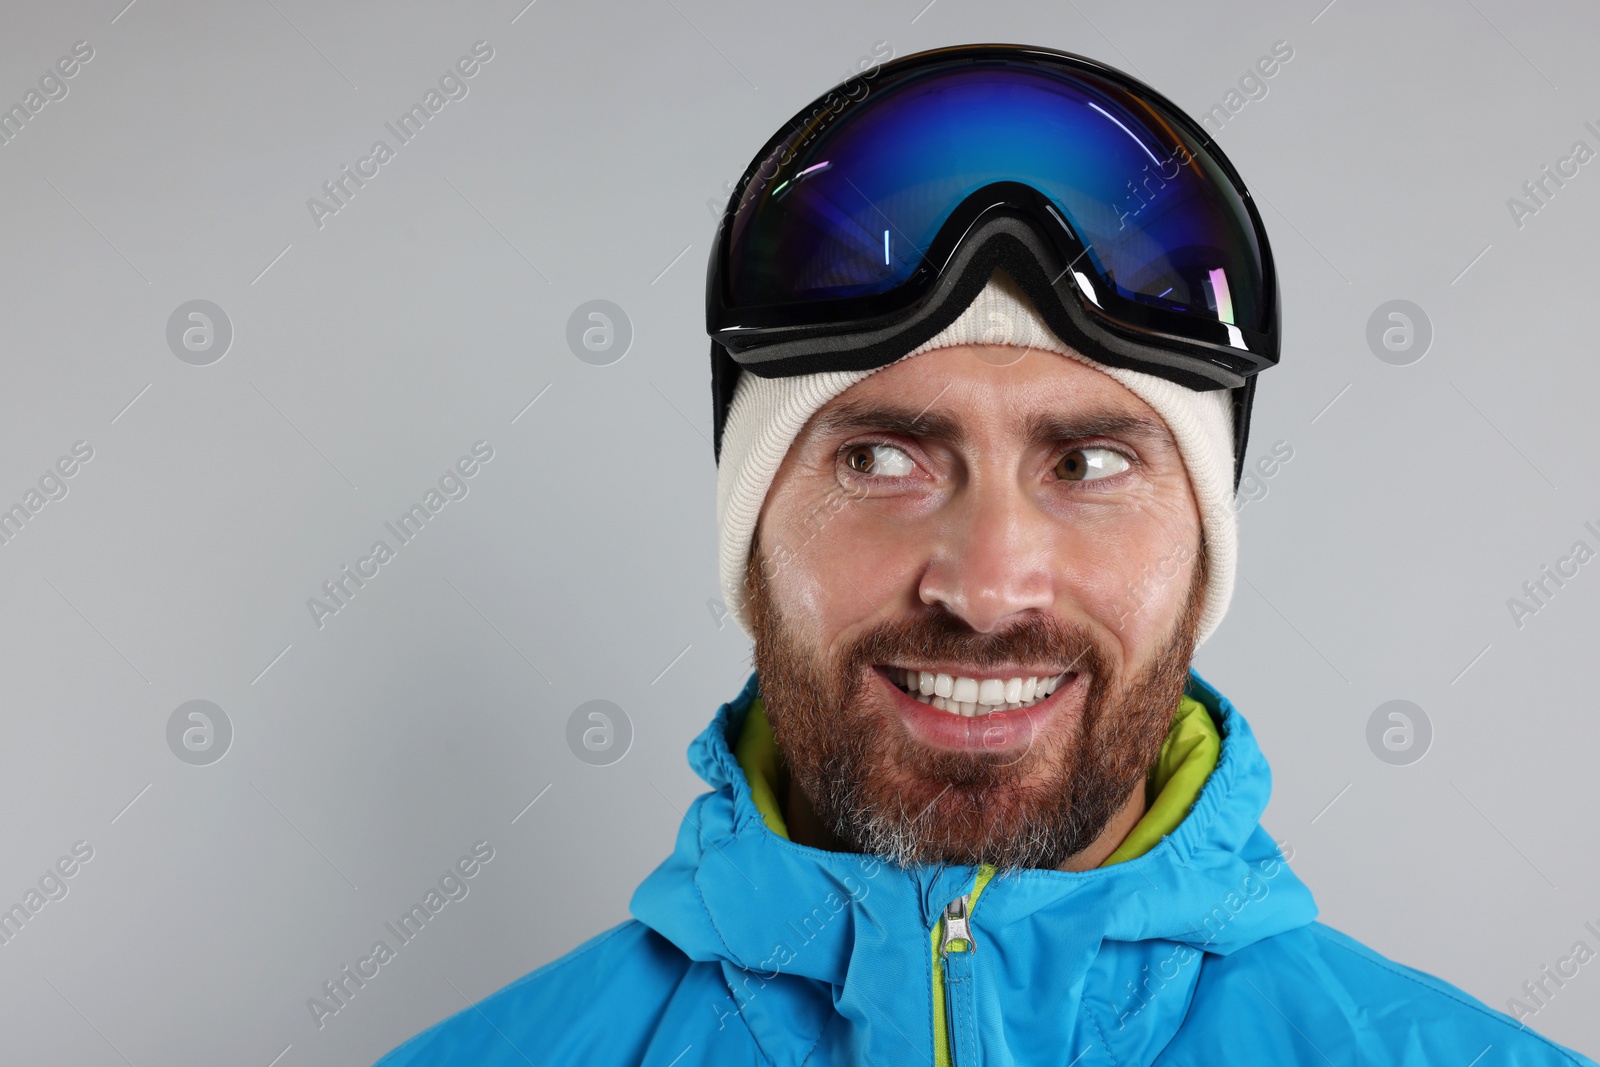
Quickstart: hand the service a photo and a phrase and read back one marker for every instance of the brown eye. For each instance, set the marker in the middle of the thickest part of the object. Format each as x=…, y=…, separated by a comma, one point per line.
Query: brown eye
x=879, y=459
x=1090, y=464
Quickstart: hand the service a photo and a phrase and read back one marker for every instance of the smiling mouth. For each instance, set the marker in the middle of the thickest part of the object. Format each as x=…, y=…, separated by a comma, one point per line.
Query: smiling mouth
x=972, y=696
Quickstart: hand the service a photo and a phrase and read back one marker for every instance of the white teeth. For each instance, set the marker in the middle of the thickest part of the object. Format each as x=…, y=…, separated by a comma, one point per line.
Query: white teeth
x=969, y=696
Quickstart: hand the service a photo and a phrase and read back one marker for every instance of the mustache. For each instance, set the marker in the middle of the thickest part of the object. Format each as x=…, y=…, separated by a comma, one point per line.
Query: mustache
x=941, y=636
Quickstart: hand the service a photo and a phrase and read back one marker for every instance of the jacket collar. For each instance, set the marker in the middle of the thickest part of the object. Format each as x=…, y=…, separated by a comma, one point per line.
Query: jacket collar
x=735, y=893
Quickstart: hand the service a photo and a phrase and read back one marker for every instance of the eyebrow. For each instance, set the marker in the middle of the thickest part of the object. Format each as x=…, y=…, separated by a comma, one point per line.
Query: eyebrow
x=1039, y=428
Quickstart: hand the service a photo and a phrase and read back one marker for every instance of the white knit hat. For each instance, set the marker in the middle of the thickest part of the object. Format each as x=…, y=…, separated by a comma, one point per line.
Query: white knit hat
x=766, y=415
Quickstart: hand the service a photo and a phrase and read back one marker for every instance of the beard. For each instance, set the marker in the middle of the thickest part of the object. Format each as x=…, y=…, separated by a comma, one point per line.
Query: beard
x=880, y=791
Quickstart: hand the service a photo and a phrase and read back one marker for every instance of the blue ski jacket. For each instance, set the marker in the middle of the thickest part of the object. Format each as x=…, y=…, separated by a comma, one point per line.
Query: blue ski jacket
x=748, y=948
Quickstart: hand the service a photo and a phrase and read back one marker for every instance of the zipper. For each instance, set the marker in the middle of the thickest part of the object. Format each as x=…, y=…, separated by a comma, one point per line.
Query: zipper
x=956, y=949
x=951, y=947
x=956, y=928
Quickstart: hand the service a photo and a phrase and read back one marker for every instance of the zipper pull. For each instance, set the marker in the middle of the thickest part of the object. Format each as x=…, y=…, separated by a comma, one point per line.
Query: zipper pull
x=956, y=928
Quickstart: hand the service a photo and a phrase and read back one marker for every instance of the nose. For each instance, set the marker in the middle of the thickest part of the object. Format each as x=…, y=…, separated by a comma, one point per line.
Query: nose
x=991, y=554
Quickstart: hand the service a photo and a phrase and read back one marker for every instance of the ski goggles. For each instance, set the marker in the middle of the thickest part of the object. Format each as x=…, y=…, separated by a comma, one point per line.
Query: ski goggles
x=875, y=216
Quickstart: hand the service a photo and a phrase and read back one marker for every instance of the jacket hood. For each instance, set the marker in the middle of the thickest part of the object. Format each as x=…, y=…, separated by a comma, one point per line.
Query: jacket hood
x=1105, y=957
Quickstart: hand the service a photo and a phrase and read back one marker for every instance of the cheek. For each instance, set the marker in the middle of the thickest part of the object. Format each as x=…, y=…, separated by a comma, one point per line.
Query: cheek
x=803, y=599
x=835, y=565
x=1134, y=580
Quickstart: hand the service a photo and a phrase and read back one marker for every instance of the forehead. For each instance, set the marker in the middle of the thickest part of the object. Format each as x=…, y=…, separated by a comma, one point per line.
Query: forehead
x=966, y=392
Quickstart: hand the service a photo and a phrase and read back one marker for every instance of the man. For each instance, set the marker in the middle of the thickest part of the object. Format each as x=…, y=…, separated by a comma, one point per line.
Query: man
x=974, y=806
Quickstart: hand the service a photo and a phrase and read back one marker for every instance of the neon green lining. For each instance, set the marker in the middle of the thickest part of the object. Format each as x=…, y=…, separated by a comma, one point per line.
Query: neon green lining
x=1187, y=758
x=757, y=752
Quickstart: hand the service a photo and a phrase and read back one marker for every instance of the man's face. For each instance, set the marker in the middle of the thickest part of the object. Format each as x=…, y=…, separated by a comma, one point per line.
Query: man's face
x=988, y=513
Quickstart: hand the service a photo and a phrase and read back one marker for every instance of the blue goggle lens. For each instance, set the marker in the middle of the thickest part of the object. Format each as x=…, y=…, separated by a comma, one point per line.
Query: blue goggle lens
x=851, y=211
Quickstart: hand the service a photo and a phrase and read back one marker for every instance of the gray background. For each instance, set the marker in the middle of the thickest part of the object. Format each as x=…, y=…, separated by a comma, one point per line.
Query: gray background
x=586, y=163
